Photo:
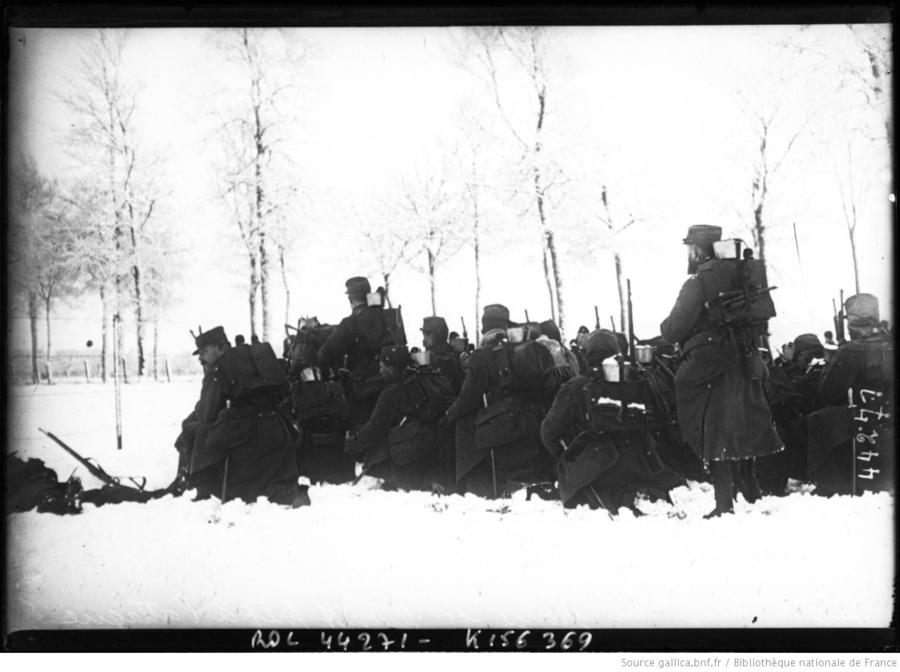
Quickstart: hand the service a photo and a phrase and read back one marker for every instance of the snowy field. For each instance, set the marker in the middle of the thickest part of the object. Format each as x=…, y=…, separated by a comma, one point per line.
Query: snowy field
x=360, y=557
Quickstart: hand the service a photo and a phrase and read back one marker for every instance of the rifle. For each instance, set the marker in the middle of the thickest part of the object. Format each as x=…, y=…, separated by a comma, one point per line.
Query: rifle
x=839, y=317
x=630, y=327
x=465, y=333
x=95, y=469
x=596, y=318
x=401, y=330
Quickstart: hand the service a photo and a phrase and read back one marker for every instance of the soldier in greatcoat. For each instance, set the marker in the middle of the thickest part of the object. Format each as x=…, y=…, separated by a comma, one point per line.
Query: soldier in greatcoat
x=236, y=444
x=722, y=408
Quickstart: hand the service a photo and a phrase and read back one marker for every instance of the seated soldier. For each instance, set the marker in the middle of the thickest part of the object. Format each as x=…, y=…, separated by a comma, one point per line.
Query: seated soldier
x=235, y=444
x=401, y=443
x=850, y=441
x=444, y=357
x=598, y=433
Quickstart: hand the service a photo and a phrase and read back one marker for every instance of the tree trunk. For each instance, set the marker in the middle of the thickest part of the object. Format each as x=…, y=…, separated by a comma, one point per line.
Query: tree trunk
x=156, y=349
x=252, y=291
x=548, y=279
x=852, y=232
x=33, y=321
x=623, y=299
x=264, y=290
x=47, y=301
x=138, y=300
x=759, y=230
x=557, y=280
x=476, y=244
x=387, y=284
x=104, y=332
x=431, y=280
x=285, y=284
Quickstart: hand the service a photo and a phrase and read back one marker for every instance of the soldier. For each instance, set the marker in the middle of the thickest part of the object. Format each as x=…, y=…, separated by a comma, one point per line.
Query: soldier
x=320, y=408
x=444, y=358
x=598, y=432
x=237, y=444
x=401, y=442
x=354, y=346
x=724, y=416
x=862, y=369
x=497, y=414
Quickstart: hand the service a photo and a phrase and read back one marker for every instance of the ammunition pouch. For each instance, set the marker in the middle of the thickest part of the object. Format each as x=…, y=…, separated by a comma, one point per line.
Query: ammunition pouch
x=500, y=423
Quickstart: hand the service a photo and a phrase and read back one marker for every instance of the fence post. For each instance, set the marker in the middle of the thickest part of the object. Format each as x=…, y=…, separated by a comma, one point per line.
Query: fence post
x=168, y=375
x=87, y=371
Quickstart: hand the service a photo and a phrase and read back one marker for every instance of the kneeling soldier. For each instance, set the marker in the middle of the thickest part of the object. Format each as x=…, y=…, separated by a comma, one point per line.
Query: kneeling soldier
x=401, y=443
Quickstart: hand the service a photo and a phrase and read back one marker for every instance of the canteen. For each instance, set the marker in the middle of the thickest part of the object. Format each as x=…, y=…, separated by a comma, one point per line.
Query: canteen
x=422, y=357
x=515, y=334
x=611, y=369
x=728, y=249
x=644, y=353
x=309, y=374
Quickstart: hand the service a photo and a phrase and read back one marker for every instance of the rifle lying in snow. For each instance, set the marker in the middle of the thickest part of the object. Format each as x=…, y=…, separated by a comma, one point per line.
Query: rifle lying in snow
x=95, y=469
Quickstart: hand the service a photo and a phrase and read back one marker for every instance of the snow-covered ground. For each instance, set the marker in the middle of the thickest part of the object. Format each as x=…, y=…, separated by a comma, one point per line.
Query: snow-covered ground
x=361, y=557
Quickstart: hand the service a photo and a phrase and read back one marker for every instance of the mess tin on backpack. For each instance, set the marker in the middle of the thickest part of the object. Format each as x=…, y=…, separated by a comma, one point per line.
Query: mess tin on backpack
x=731, y=248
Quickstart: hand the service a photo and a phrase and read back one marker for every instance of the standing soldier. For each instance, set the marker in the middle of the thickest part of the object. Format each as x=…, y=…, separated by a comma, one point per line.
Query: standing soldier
x=354, y=346
x=718, y=318
x=498, y=411
x=237, y=443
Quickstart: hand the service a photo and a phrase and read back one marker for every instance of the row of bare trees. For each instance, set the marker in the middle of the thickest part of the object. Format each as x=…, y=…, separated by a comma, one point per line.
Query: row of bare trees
x=97, y=233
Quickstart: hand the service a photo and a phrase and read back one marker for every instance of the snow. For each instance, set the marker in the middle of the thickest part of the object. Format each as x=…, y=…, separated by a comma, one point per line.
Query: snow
x=362, y=557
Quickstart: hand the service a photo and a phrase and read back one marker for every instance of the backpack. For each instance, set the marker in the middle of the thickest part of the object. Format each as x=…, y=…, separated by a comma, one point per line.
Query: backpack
x=520, y=365
x=736, y=292
x=252, y=371
x=431, y=395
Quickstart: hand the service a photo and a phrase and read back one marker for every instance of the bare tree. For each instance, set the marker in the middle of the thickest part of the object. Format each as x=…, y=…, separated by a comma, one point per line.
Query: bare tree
x=433, y=216
x=103, y=136
x=773, y=136
x=41, y=261
x=251, y=182
x=852, y=188
x=386, y=243
x=526, y=51
x=94, y=248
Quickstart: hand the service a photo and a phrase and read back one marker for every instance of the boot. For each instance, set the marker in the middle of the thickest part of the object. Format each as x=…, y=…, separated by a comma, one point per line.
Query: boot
x=746, y=479
x=723, y=485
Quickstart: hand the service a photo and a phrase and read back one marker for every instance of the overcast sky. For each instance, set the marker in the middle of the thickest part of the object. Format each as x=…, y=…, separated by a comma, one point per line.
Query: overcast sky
x=654, y=112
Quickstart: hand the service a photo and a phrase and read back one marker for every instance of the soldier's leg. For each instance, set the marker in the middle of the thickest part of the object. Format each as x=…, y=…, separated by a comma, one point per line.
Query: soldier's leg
x=746, y=479
x=723, y=486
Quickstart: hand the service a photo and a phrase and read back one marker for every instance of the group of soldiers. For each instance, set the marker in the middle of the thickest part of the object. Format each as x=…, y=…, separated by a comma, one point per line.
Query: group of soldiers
x=605, y=420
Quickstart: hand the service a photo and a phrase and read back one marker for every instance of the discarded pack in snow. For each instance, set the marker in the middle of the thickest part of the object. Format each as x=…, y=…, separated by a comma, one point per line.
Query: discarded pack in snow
x=736, y=292
x=251, y=370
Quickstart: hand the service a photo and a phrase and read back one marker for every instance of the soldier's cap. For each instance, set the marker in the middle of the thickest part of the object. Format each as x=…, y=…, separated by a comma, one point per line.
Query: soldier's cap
x=805, y=342
x=600, y=344
x=435, y=325
x=495, y=316
x=861, y=310
x=358, y=285
x=395, y=355
x=210, y=337
x=550, y=330
x=703, y=234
